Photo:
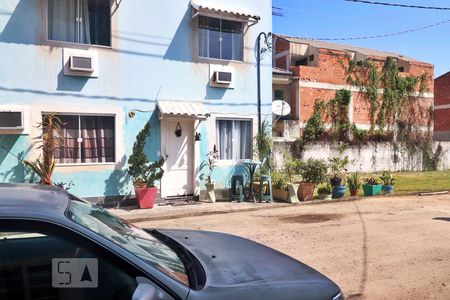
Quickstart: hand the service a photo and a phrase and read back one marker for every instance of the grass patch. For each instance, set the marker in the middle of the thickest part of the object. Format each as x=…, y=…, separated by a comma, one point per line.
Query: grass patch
x=415, y=182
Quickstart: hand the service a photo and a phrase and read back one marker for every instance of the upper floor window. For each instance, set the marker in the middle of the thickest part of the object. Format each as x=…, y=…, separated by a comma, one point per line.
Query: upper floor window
x=80, y=21
x=221, y=39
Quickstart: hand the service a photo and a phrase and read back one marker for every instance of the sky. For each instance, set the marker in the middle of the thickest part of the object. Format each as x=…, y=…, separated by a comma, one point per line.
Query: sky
x=338, y=19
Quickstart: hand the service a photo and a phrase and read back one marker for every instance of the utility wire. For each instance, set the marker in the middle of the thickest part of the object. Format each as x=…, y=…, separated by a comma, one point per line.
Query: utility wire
x=381, y=35
x=399, y=5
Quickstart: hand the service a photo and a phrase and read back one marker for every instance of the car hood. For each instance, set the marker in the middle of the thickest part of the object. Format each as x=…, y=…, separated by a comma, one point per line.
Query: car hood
x=233, y=261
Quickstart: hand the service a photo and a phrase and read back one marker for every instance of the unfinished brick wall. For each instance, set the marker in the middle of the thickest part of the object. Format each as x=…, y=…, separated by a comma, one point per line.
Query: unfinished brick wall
x=331, y=68
x=331, y=75
x=442, y=98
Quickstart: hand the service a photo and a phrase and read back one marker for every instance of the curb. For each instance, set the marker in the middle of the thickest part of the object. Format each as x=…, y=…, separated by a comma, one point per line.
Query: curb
x=231, y=211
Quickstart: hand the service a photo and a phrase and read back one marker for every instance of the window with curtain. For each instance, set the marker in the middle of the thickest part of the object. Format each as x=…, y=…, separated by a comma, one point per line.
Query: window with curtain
x=221, y=39
x=234, y=139
x=80, y=21
x=86, y=139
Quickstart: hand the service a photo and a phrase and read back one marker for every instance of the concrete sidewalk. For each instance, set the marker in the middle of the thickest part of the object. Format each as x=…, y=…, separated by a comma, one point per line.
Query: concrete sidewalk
x=158, y=212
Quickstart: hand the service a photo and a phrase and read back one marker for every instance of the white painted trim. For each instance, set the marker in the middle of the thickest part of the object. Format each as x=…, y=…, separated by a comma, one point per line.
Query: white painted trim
x=336, y=87
x=442, y=106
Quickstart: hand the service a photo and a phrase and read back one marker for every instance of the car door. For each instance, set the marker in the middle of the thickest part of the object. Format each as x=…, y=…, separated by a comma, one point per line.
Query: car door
x=39, y=260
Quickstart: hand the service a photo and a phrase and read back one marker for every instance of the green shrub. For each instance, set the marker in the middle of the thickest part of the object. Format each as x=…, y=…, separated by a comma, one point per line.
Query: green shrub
x=314, y=171
x=280, y=180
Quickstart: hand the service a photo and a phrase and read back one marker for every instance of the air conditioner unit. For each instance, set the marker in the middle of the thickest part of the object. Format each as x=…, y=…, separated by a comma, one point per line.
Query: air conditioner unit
x=81, y=63
x=11, y=120
x=222, y=77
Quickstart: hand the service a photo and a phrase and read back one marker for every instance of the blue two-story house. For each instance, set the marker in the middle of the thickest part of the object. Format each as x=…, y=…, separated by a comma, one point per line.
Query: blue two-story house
x=106, y=67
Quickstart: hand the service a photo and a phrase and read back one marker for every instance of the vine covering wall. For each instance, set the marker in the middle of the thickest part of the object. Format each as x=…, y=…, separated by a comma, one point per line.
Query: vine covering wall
x=396, y=105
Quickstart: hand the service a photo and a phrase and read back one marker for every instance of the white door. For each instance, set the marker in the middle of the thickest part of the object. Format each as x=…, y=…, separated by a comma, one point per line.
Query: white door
x=178, y=152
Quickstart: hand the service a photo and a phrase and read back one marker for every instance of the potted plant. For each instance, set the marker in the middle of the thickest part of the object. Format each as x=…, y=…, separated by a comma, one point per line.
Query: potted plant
x=313, y=172
x=337, y=169
x=280, y=186
x=49, y=141
x=354, y=184
x=325, y=192
x=388, y=182
x=211, y=161
x=143, y=172
x=292, y=167
x=372, y=187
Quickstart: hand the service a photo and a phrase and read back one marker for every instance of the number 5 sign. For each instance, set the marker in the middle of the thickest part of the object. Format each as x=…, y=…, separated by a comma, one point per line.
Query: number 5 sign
x=74, y=273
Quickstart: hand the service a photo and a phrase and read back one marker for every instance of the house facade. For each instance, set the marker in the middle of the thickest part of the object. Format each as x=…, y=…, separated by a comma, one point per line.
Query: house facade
x=305, y=71
x=442, y=108
x=106, y=68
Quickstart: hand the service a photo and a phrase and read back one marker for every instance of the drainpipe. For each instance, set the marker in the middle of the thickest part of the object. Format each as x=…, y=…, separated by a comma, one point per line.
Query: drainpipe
x=267, y=46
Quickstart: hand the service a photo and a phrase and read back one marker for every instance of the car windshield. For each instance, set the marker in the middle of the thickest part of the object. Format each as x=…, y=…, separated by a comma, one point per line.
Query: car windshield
x=130, y=237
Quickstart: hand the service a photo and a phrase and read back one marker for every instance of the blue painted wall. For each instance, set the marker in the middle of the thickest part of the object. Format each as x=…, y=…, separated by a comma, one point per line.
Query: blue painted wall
x=153, y=57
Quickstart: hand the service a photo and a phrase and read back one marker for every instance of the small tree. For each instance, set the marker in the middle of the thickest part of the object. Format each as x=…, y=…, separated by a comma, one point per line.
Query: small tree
x=49, y=140
x=143, y=172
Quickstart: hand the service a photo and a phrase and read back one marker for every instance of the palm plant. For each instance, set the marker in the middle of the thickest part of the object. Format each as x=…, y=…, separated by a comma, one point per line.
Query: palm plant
x=354, y=182
x=264, y=146
x=50, y=139
x=211, y=162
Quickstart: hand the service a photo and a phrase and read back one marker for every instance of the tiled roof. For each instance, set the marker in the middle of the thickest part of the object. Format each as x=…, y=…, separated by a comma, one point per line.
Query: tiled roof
x=221, y=7
x=189, y=109
x=348, y=48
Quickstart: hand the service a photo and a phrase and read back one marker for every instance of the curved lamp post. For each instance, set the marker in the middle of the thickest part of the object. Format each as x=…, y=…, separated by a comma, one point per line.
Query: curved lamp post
x=267, y=46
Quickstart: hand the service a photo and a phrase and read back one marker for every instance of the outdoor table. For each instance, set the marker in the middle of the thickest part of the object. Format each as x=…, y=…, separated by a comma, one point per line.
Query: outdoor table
x=251, y=166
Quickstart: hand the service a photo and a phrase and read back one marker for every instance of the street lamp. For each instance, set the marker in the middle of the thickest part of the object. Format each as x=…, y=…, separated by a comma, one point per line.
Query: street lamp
x=266, y=47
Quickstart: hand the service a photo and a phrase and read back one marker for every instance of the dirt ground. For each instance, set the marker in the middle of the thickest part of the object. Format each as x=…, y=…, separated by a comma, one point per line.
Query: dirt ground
x=381, y=248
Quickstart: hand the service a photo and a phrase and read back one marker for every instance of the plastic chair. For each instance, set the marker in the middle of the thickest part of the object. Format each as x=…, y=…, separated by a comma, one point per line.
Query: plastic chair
x=237, y=190
x=265, y=194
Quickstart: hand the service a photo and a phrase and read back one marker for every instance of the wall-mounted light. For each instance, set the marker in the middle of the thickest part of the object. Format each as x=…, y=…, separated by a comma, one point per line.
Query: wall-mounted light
x=198, y=136
x=178, y=130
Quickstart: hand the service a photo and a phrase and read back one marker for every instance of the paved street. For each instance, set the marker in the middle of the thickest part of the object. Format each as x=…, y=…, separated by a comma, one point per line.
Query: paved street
x=381, y=248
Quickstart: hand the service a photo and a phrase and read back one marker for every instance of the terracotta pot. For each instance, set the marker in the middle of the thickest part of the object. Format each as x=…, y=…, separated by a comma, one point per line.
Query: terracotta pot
x=306, y=191
x=354, y=193
x=210, y=195
x=146, y=197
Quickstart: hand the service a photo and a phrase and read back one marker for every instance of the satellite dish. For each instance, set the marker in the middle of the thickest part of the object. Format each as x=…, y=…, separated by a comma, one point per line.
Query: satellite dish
x=281, y=108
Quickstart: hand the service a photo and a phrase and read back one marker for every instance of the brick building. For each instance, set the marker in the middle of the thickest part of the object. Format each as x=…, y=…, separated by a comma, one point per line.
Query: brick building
x=442, y=108
x=306, y=70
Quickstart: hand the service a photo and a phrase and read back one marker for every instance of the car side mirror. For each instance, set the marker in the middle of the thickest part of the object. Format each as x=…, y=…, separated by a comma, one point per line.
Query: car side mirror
x=144, y=291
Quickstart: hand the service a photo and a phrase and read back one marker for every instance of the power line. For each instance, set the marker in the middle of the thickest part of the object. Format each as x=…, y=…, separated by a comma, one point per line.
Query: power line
x=399, y=5
x=382, y=35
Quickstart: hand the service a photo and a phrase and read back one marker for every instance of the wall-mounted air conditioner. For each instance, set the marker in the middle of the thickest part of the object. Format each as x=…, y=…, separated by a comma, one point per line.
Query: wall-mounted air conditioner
x=11, y=120
x=84, y=63
x=222, y=77
x=78, y=63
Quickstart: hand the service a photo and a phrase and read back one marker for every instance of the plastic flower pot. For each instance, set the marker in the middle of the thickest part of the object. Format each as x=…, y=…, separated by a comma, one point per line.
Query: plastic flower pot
x=306, y=191
x=146, y=197
x=210, y=195
x=389, y=189
x=281, y=195
x=339, y=191
x=372, y=190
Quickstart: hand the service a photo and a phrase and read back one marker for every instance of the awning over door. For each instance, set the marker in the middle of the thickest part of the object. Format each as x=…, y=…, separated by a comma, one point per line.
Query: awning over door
x=216, y=8
x=182, y=109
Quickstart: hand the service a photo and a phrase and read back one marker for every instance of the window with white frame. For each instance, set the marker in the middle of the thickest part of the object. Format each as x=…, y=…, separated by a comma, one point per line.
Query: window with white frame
x=80, y=21
x=86, y=139
x=234, y=139
x=221, y=39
